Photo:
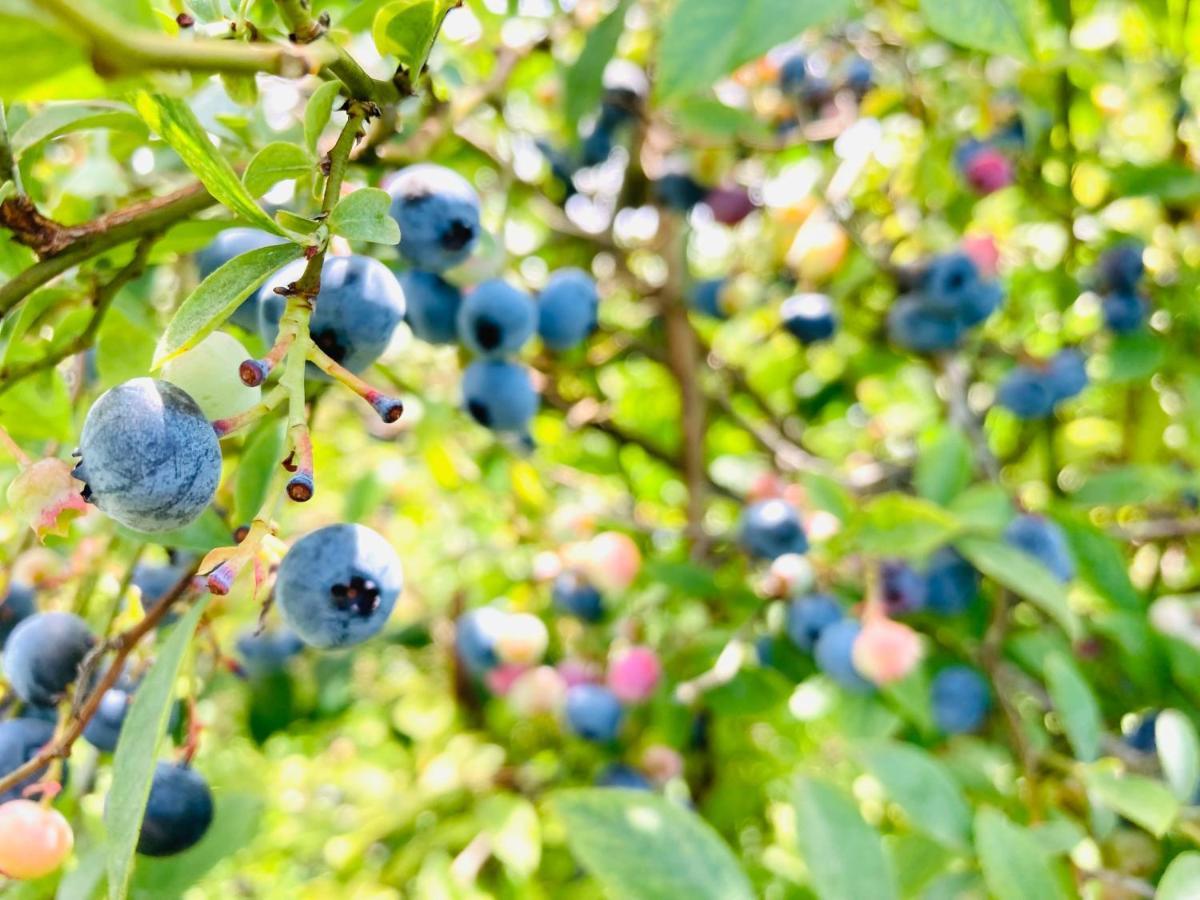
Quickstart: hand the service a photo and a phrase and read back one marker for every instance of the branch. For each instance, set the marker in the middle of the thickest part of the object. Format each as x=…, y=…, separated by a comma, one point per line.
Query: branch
x=305, y=30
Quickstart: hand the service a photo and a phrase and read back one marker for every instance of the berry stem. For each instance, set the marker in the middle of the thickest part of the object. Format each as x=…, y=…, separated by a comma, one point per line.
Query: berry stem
x=226, y=427
x=389, y=408
x=14, y=448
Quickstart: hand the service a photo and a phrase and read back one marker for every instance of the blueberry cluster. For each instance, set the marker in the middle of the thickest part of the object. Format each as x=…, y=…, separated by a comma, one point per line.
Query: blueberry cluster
x=949, y=298
x=809, y=83
x=1121, y=270
x=1034, y=391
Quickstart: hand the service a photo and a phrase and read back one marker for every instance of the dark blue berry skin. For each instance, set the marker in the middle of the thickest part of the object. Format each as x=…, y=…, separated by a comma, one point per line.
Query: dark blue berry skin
x=903, y=588
x=793, y=74
x=915, y=326
x=496, y=319
x=567, y=309
x=978, y=302
x=438, y=214
x=431, y=306
x=598, y=145
x=808, y=617
x=1142, y=737
x=1121, y=267
x=965, y=151
x=1044, y=541
x=42, y=656
x=179, y=811
x=594, y=712
x=947, y=280
x=148, y=457
x=575, y=596
x=952, y=584
x=679, y=192
x=359, y=306
x=858, y=76
x=1026, y=393
x=771, y=528
x=475, y=639
x=960, y=698
x=337, y=585
x=706, y=297
x=499, y=395
x=809, y=317
x=263, y=654
x=17, y=606
x=1067, y=374
x=225, y=246
x=834, y=655
x=104, y=729
x=1124, y=312
x=619, y=775
x=20, y=740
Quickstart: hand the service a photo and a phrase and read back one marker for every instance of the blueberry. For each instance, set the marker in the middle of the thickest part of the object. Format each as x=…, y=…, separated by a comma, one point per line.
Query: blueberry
x=475, y=638
x=262, y=654
x=104, y=729
x=903, y=588
x=809, y=317
x=359, y=306
x=155, y=582
x=706, y=297
x=793, y=74
x=808, y=617
x=1142, y=736
x=952, y=584
x=594, y=712
x=499, y=395
x=337, y=585
x=575, y=596
x=960, y=698
x=149, y=457
x=438, y=214
x=1067, y=374
x=225, y=246
x=1044, y=541
x=915, y=326
x=567, y=309
x=771, y=528
x=1026, y=393
x=834, y=655
x=20, y=741
x=619, y=775
x=496, y=319
x=946, y=281
x=1124, y=312
x=816, y=91
x=431, y=306
x=18, y=604
x=858, y=75
x=42, y=656
x=598, y=145
x=679, y=191
x=179, y=811
x=978, y=302
x=1121, y=267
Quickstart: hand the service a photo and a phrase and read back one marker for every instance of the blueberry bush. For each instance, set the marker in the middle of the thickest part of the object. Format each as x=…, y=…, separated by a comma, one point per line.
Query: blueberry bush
x=579, y=448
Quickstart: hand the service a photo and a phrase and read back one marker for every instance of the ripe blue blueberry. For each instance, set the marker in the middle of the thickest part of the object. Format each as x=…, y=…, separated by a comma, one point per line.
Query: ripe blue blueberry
x=978, y=302
x=858, y=75
x=179, y=811
x=1026, y=393
x=262, y=654
x=154, y=582
x=597, y=146
x=438, y=214
x=594, y=712
x=575, y=596
x=567, y=309
x=431, y=306
x=619, y=775
x=18, y=604
x=960, y=698
x=1067, y=373
x=225, y=246
x=903, y=588
x=104, y=729
x=20, y=740
x=834, y=655
x=1121, y=267
x=793, y=74
x=914, y=325
x=1044, y=541
x=706, y=297
x=679, y=191
x=809, y=317
x=808, y=617
x=475, y=638
x=337, y=585
x=359, y=306
x=771, y=528
x=148, y=456
x=1142, y=736
x=952, y=584
x=499, y=395
x=496, y=319
x=1124, y=312
x=947, y=279
x=42, y=656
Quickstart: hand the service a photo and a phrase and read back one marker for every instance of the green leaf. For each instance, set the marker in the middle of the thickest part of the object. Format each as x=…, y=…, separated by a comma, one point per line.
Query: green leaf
x=512, y=824
x=1014, y=865
x=1143, y=801
x=137, y=751
x=844, y=854
x=1130, y=484
x=207, y=532
x=943, y=466
x=900, y=525
x=217, y=296
x=363, y=216
x=923, y=787
x=993, y=26
x=1181, y=881
x=408, y=28
x=1075, y=704
x=583, y=84
x=641, y=846
x=318, y=111
x=56, y=119
x=274, y=163
x=1023, y=575
x=1101, y=562
x=704, y=40
x=1178, y=751
x=1169, y=182
x=709, y=117
x=252, y=479
x=83, y=881
x=38, y=408
x=172, y=120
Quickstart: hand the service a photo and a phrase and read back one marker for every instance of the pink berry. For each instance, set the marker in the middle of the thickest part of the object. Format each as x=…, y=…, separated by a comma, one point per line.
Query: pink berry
x=730, y=204
x=982, y=250
x=886, y=651
x=34, y=839
x=613, y=561
x=501, y=679
x=578, y=671
x=633, y=674
x=988, y=170
x=662, y=763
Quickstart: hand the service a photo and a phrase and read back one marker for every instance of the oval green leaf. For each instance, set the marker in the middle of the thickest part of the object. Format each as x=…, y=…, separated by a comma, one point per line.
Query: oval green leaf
x=844, y=854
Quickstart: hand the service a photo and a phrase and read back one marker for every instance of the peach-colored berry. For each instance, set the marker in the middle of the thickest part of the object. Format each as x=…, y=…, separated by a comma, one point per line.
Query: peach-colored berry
x=886, y=651
x=662, y=763
x=538, y=691
x=613, y=561
x=521, y=638
x=34, y=839
x=501, y=679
